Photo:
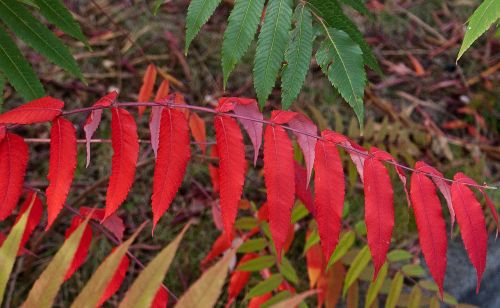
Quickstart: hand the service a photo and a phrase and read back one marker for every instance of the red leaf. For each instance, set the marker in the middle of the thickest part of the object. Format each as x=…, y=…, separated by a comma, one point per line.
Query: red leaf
x=467, y=180
x=83, y=247
x=173, y=157
x=39, y=110
x=14, y=159
x=430, y=223
x=214, y=171
x=356, y=152
x=155, y=118
x=302, y=191
x=279, y=176
x=116, y=281
x=239, y=279
x=379, y=210
x=442, y=185
x=257, y=301
x=3, y=131
x=33, y=219
x=113, y=223
x=247, y=108
x=220, y=245
x=62, y=166
x=125, y=144
x=307, y=142
x=315, y=264
x=217, y=215
x=231, y=168
x=383, y=155
x=329, y=190
x=94, y=118
x=198, y=130
x=470, y=218
x=161, y=298
x=148, y=83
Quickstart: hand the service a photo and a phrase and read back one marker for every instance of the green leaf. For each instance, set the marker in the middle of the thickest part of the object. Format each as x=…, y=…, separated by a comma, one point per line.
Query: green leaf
x=298, y=212
x=358, y=5
x=199, y=11
x=57, y=14
x=375, y=286
x=10, y=247
x=265, y=286
x=17, y=70
x=257, y=264
x=206, y=290
x=340, y=58
x=297, y=56
x=413, y=270
x=2, y=87
x=143, y=290
x=482, y=18
x=345, y=243
x=358, y=265
x=429, y=285
x=394, y=291
x=286, y=268
x=415, y=297
x=240, y=32
x=46, y=287
x=271, y=47
x=295, y=300
x=332, y=14
x=252, y=245
x=156, y=6
x=95, y=287
x=36, y=35
x=312, y=240
x=246, y=223
x=399, y=255
x=278, y=298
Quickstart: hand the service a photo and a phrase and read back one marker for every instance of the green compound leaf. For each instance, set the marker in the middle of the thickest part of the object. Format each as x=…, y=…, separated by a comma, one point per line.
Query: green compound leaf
x=297, y=56
x=271, y=46
x=17, y=70
x=240, y=32
x=199, y=11
x=332, y=14
x=482, y=18
x=57, y=14
x=36, y=35
x=340, y=58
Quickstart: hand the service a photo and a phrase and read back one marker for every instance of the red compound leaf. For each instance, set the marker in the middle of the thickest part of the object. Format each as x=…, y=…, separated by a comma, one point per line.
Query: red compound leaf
x=62, y=165
x=40, y=110
x=148, y=83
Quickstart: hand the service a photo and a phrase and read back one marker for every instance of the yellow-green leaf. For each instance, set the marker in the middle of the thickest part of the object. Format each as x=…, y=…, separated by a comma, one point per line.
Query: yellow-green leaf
x=265, y=286
x=415, y=297
x=345, y=243
x=10, y=247
x=394, y=291
x=257, y=264
x=358, y=265
x=398, y=255
x=375, y=286
x=145, y=286
x=45, y=289
x=413, y=270
x=95, y=287
x=252, y=245
x=294, y=301
x=286, y=268
x=206, y=290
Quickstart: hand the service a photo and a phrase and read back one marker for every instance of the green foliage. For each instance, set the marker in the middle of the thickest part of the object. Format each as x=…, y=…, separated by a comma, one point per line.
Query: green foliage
x=17, y=70
x=297, y=56
x=394, y=291
x=357, y=267
x=341, y=60
x=376, y=285
x=241, y=28
x=271, y=47
x=358, y=5
x=482, y=18
x=199, y=12
x=265, y=286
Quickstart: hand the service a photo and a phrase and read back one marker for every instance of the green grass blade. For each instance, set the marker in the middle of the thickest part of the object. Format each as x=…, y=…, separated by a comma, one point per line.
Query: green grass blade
x=36, y=35
x=45, y=289
x=482, y=18
x=199, y=11
x=341, y=60
x=95, y=287
x=57, y=14
x=9, y=249
x=332, y=14
x=145, y=286
x=297, y=56
x=17, y=70
x=271, y=46
x=240, y=32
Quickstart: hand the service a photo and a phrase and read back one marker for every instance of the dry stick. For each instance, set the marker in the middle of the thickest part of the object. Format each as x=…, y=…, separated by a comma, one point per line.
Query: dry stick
x=169, y=104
